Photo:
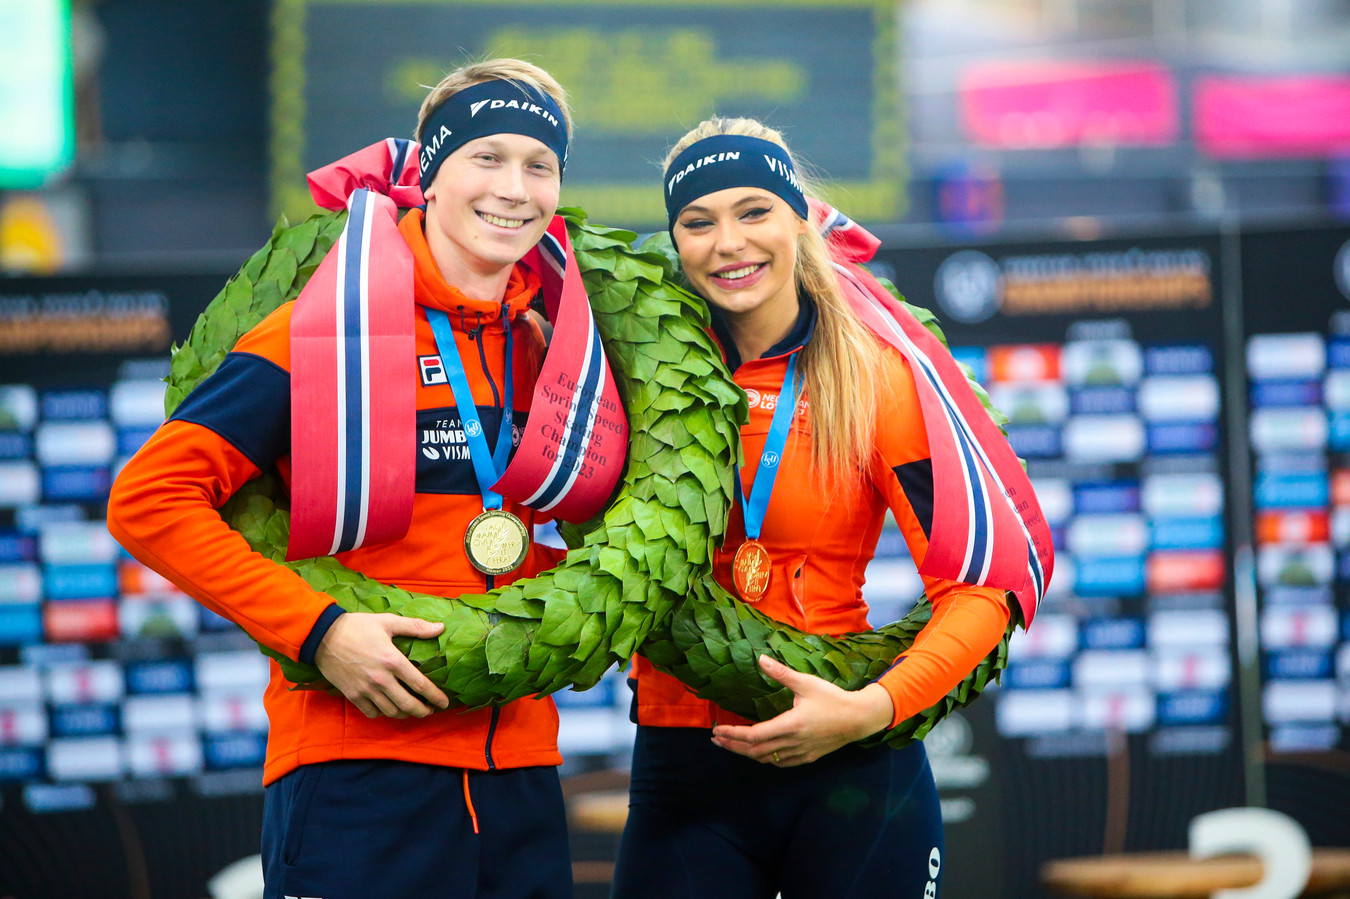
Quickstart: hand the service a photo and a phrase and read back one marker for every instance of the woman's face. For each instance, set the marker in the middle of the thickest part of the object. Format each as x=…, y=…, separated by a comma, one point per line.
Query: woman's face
x=739, y=249
x=491, y=201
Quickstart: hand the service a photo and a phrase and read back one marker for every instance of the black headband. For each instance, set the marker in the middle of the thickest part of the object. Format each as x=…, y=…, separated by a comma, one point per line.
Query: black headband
x=731, y=160
x=491, y=107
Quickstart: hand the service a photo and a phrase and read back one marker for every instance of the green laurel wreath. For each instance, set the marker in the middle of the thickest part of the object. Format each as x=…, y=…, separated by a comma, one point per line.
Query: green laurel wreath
x=637, y=577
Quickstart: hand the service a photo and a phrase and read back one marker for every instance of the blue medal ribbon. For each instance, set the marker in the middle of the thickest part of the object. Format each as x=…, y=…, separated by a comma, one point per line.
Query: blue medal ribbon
x=754, y=509
x=488, y=465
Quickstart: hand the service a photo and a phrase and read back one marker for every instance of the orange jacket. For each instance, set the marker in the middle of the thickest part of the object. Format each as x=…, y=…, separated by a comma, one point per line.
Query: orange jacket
x=820, y=540
x=237, y=423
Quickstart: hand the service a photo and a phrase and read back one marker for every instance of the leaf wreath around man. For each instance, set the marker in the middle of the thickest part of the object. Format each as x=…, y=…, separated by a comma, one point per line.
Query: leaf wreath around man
x=637, y=577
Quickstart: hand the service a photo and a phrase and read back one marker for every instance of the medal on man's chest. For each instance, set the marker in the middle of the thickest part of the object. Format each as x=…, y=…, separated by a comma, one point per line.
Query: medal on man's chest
x=496, y=542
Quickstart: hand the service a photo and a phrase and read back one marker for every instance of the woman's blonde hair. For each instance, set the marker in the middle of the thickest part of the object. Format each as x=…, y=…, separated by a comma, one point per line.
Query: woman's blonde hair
x=841, y=361
x=503, y=69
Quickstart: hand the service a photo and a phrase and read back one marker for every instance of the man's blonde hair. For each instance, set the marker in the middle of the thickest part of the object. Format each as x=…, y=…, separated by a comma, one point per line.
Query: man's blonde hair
x=504, y=69
x=839, y=365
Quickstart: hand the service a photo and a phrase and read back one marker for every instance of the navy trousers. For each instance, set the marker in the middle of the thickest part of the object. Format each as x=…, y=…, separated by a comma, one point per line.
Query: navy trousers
x=396, y=830
x=702, y=822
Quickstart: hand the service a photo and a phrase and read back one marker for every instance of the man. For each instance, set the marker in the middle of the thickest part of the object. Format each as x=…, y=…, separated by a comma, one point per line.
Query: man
x=370, y=794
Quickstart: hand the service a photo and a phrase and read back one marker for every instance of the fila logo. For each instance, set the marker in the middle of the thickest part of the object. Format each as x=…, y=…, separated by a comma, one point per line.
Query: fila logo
x=432, y=370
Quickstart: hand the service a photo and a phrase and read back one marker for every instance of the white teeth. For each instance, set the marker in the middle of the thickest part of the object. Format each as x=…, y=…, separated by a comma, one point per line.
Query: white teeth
x=501, y=222
x=738, y=273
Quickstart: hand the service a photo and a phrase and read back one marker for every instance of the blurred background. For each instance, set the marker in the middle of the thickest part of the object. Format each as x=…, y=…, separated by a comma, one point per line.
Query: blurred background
x=1132, y=217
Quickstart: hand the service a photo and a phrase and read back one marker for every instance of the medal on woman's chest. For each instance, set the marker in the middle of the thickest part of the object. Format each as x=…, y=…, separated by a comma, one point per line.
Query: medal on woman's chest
x=752, y=566
x=750, y=570
x=496, y=541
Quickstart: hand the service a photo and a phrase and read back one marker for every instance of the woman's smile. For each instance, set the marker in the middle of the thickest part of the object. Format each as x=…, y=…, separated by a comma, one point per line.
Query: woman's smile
x=738, y=276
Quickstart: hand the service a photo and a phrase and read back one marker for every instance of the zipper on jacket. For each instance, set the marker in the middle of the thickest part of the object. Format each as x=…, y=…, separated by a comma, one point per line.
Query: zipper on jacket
x=476, y=334
x=496, y=710
x=482, y=358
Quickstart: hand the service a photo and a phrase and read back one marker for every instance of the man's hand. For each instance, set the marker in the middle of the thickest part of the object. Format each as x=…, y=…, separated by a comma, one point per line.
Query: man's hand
x=359, y=658
x=823, y=718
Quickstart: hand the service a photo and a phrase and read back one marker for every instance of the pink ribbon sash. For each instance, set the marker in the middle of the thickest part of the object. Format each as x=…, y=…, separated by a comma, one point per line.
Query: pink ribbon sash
x=987, y=524
x=353, y=405
x=576, y=438
x=353, y=396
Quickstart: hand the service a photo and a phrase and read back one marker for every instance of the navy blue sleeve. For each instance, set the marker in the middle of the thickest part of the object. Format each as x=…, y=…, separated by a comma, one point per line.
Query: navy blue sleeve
x=316, y=633
x=247, y=401
x=916, y=479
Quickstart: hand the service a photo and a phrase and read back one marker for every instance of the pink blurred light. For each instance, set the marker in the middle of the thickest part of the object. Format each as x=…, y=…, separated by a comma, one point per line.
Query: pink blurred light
x=1046, y=105
x=1255, y=117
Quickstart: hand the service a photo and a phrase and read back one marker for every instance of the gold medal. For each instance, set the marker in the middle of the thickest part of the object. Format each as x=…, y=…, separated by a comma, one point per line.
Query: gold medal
x=496, y=542
x=750, y=570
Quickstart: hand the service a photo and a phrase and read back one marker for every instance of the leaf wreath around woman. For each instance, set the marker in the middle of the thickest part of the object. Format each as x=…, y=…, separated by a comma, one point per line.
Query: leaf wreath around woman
x=637, y=577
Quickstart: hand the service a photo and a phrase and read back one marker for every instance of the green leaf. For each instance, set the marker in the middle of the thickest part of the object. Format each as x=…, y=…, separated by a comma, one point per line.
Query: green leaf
x=281, y=269
x=562, y=622
x=703, y=465
x=505, y=650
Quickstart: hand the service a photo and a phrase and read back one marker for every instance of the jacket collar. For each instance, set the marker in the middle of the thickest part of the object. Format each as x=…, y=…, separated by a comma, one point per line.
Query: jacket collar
x=433, y=290
x=798, y=337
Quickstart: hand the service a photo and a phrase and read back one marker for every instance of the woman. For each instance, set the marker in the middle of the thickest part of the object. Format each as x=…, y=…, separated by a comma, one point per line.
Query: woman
x=368, y=793
x=720, y=806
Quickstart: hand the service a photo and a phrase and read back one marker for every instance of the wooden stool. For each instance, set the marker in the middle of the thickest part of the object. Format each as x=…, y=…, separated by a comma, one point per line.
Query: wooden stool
x=1175, y=875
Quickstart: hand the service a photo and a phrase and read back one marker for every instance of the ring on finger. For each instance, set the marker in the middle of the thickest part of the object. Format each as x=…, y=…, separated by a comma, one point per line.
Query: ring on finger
x=776, y=759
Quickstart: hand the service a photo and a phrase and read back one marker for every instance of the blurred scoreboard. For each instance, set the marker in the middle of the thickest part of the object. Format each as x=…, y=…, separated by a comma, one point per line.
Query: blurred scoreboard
x=125, y=707
x=1159, y=442
x=1296, y=355
x=1300, y=488
x=107, y=672
x=1109, y=360
x=639, y=74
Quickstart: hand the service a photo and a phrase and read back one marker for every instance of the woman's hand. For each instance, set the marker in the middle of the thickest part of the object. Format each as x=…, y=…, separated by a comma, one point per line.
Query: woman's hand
x=823, y=718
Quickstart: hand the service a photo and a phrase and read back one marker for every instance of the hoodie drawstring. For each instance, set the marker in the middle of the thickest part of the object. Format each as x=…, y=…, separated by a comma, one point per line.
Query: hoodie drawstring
x=468, y=801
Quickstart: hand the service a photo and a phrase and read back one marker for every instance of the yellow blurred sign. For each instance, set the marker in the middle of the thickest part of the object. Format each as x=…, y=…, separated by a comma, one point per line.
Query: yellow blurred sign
x=350, y=72
x=605, y=71
x=30, y=241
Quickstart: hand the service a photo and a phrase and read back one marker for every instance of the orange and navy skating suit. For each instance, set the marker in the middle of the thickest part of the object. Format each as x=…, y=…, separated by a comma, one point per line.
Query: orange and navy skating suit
x=859, y=822
x=821, y=537
x=164, y=506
